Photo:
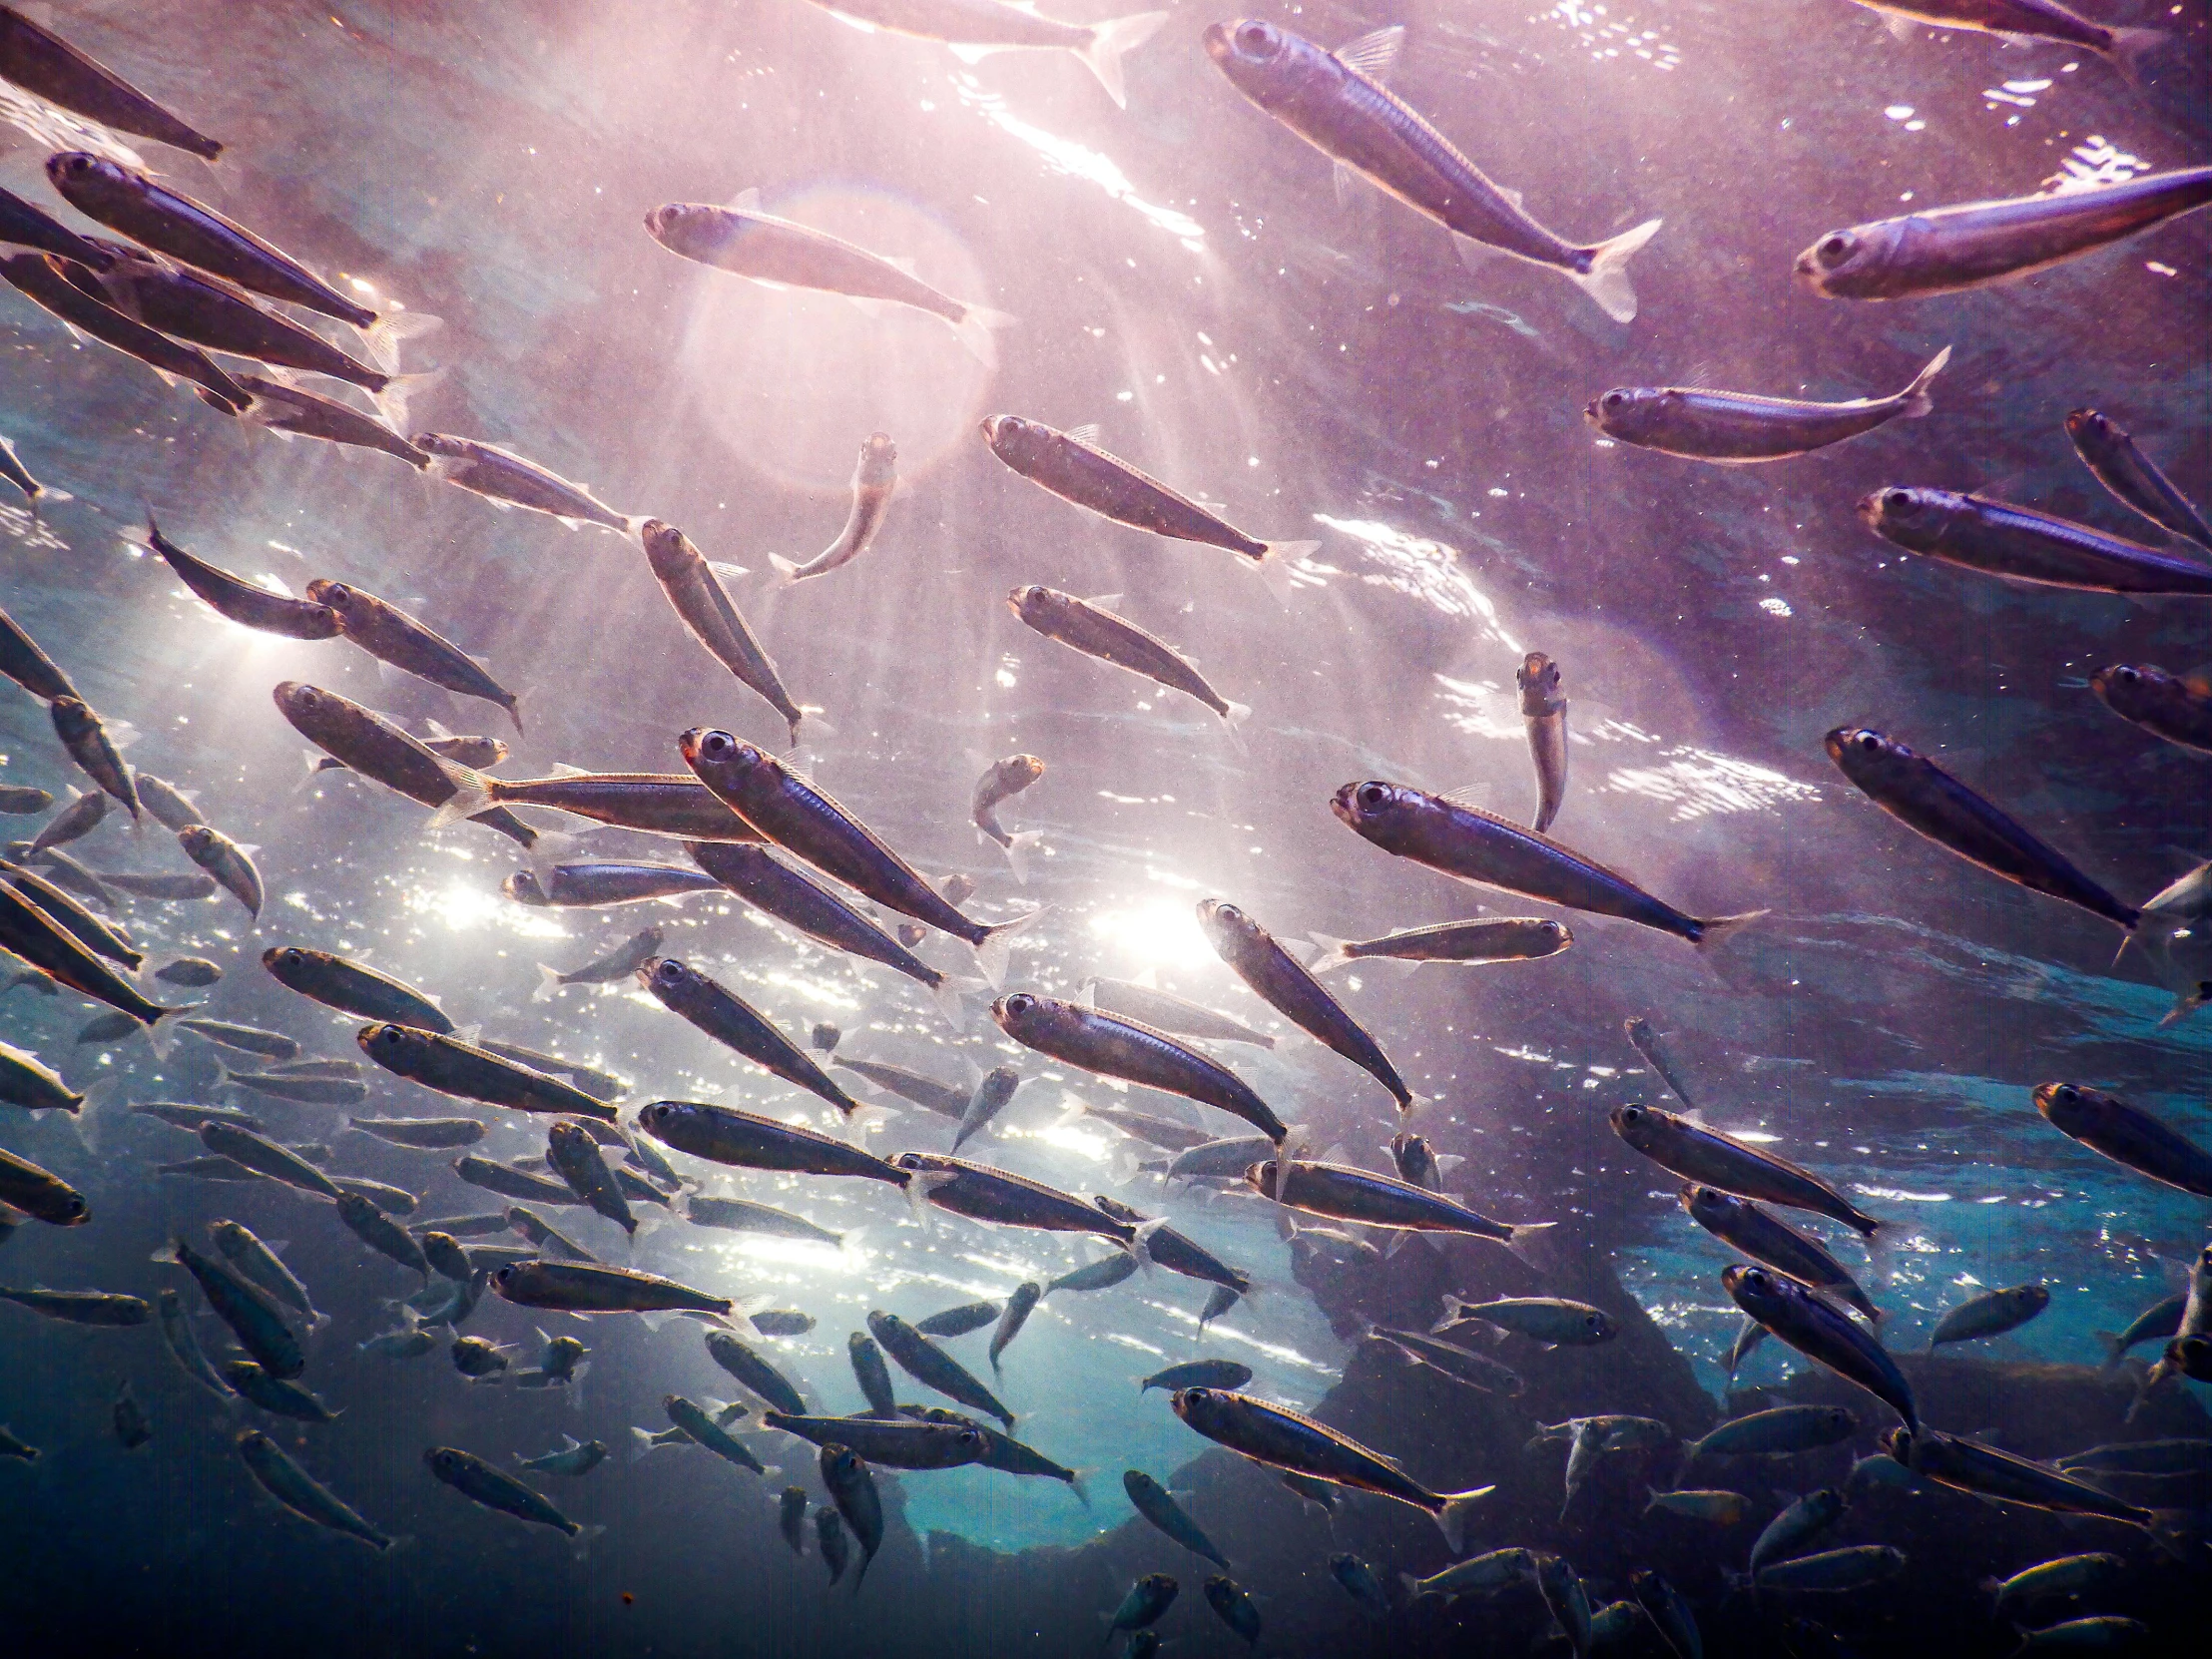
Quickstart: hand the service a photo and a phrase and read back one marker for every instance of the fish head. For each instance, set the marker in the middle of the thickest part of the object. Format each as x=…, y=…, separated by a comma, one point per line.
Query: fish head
x=1249, y=51
x=1227, y=928
x=667, y=549
x=695, y=229
x=524, y=887
x=722, y=759
x=440, y=444
x=1913, y=518
x=1850, y=261
x=842, y=1466
x=1598, y=1325
x=2033, y=1297
x=1035, y=605
x=1024, y=1011
x=280, y=959
x=1639, y=1126
x=1538, y=678
x=81, y=173
x=73, y=717
x=669, y=976
x=200, y=843
x=444, y=1461
x=396, y=1048
x=878, y=464
x=2089, y=426
x=1019, y=443
x=1865, y=754
x=1757, y=1291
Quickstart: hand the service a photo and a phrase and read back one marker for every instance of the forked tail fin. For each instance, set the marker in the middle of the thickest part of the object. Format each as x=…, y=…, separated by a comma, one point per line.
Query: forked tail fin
x=1111, y=41
x=1606, y=281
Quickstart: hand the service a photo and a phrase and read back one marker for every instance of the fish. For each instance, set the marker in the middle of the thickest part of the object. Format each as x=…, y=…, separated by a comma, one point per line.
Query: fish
x=974, y=29
x=306, y=1091
x=2020, y=21
x=1001, y=781
x=793, y=896
x=991, y=1096
x=782, y=252
x=2101, y=1630
x=478, y=1360
x=791, y=1518
x=2162, y=703
x=1156, y=1504
x=702, y=1428
x=86, y=812
x=2162, y=1320
x=1147, y=1602
x=1645, y=1042
x=912, y=1086
x=1795, y=1526
x=754, y=1372
x=245, y=603
x=510, y=1182
x=1484, y=850
x=266, y=1156
x=1461, y=1365
x=1101, y=1275
x=1778, y=1431
x=1569, y=1601
x=743, y=1215
x=618, y=965
x=508, y=480
x=1734, y=428
x=94, y=748
x=575, y=1157
x=2182, y=1456
x=475, y=750
x=1950, y=249
x=1820, y=1332
x=1362, y=1584
x=1345, y=1193
x=684, y=990
x=1769, y=1239
x=427, y=1134
x=1008, y=1200
x=90, y=1307
x=2023, y=546
x=1164, y=1011
x=22, y=661
x=1168, y=1134
x=1340, y=104
x=705, y=608
x=1198, y=1373
x=97, y=934
x=1233, y=1606
x=71, y=291
x=263, y=1267
x=874, y=480
x=2185, y=1352
x=893, y=1443
x=2066, y=1577
x=274, y=1471
x=1281, y=981
x=176, y=889
x=1990, y=1315
x=931, y=1366
x=578, y=1288
x=382, y=1234
x=176, y=1332
x=42, y=62
x=451, y=1067
x=226, y=861
x=446, y=1255
x=1113, y=1047
x=1922, y=796
x=1552, y=1321
x=1480, y=1575
x=107, y=1028
x=373, y=747
x=1857, y=1567
x=247, y=1039
x=1177, y=1252
x=2132, y=478
x=1019, y=1305
x=804, y=821
x=1087, y=626
x=725, y=1135
x=829, y=1539
x=24, y=226
x=1707, y=1155
x=390, y=634
x=258, y=1326
x=600, y=1085
x=18, y=799
x=655, y=803
x=1007, y=1456
x=392, y=1201
x=542, y=1233
x=195, y=971
x=481, y=1483
x=872, y=1373
x=31, y=934
x=209, y=1169
x=958, y=1321
x=602, y=883
x=569, y=1458
x=1714, y=1508
x=853, y=1490
x=291, y=411
x=194, y=233
x=1222, y=1160
x=1283, y=1439
x=1968, y=1466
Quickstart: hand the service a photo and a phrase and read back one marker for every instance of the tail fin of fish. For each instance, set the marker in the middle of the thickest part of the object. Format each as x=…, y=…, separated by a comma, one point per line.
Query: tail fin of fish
x=391, y=402
x=1916, y=398
x=1113, y=40
x=472, y=793
x=383, y=336
x=1606, y=281
x=1457, y=1511
x=1017, y=851
x=1714, y=931
x=977, y=330
x=786, y=570
x=1278, y=564
x=2135, y=52
x=1329, y=953
x=549, y=985
x=163, y=1032
x=998, y=944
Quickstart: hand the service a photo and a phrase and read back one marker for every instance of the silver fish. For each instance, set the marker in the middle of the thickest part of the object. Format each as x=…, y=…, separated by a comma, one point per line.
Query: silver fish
x=2162, y=703
x=874, y=480
x=2133, y=477
x=1990, y=1315
x=2023, y=546
x=1279, y=979
x=1164, y=1011
x=684, y=990
x=618, y=965
x=274, y=1471
x=390, y=634
x=1699, y=1154
x=1488, y=939
x=481, y=1483
x=705, y=608
x=1088, y=627
x=1019, y=1306
x=226, y=861
x=974, y=29
x=724, y=1135
x=1768, y=1238
x=1820, y=1332
x=1345, y=1193
x=1544, y=712
x=1116, y=1047
x=1154, y=1501
x=1734, y=428
x=507, y=480
x=990, y=1098
x=2127, y=1135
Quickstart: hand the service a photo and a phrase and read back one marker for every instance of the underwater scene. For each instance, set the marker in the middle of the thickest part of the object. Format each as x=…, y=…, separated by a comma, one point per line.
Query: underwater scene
x=917, y=827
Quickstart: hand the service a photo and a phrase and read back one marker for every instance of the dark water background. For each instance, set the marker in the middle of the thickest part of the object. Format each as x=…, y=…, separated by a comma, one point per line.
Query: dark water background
x=1183, y=275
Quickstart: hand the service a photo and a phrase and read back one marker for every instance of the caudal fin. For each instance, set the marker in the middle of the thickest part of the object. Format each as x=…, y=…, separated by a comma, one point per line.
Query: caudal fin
x=472, y=793
x=549, y=985
x=1330, y=954
x=1458, y=1509
x=2136, y=53
x=1916, y=400
x=1112, y=41
x=977, y=330
x=1606, y=281
x=1017, y=851
x=1278, y=567
x=1714, y=931
x=998, y=944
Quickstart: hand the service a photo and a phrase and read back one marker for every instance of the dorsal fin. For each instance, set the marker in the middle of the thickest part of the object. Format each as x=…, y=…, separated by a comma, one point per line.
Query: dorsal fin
x=561, y=769
x=1088, y=433
x=1374, y=54
x=747, y=200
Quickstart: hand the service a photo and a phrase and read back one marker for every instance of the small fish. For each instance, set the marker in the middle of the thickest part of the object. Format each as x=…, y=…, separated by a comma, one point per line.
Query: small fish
x=390, y=634
x=684, y=990
x=1101, y=1275
x=603, y=883
x=507, y=481
x=247, y=604
x=1003, y=1198
x=96, y=932
x=25, y=225
x=246, y=1039
x=900, y=1443
x=22, y=661
x=931, y=1366
x=1735, y=429
x=1233, y=1606
x=1019, y=1305
x=71, y=291
x=853, y=1490
x=175, y=889
x=185, y=1347
x=1798, y=1525
x=1464, y=1365
x=791, y=1518
x=1569, y=1602
x=284, y=1481
x=600, y=1085
x=291, y=411
x=209, y=1169
x=28, y=1082
x=195, y=972
x=451, y=1067
x=305, y=1091
x=20, y=800
x=574, y=1156
x=2101, y=1630
x=1156, y=1504
x=1222, y=1160
x=1950, y=249
x=1544, y=712
x=1858, y=1567
x=1169, y=1134
x=1001, y=781
x=2162, y=703
x=912, y=1086
x=1645, y=1042
x=743, y=1215
x=2023, y=546
x=974, y=29
x=724, y=1135
x=1340, y=103
x=2133, y=477
x=263, y=1267
x=93, y=748
x=1088, y=627
x=653, y=802
x=40, y=1194
x=1147, y=1602
x=1990, y=1315
x=1480, y=1575
x=1000, y=1453
x=1713, y=1507
x=746, y=242
x=266, y=1156
x=92, y=1307
x=2066, y=1577
x=1362, y=1584
x=478, y=1360
x=429, y=1134
x=1670, y=1612
x=991, y=1096
x=1283, y=1439
x=1073, y=467
x=1178, y=1253
x=705, y=608
x=132, y=1429
x=480, y=1482
x=174, y=808
x=1768, y=1238
x=1117, y=1047
x=958, y=1321
x=1778, y=1431
x=1164, y=1011
x=226, y=861
x=43, y=63
x=2020, y=21
x=560, y=1367
x=84, y=813
x=1198, y=1373
x=1707, y=1155
x=874, y=480
x=872, y=1373
x=382, y=1234
x=1552, y=1321
x=570, y=1457
x=393, y=1201
x=192, y=232
x=1484, y=850
x=1345, y=1193
x=1822, y=1333
x=275, y=1395
x=373, y=747
x=754, y=1372
x=618, y=965
x=1281, y=981
x=578, y=1288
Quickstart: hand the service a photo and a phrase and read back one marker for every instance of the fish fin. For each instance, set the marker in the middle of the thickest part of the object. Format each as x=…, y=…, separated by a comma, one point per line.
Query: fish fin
x=2133, y=52
x=997, y=946
x=786, y=570
x=1234, y=715
x=726, y=571
x=384, y=337
x=1104, y=601
x=1091, y=435
x=919, y=1185
x=1278, y=567
x=1374, y=56
x=1916, y=398
x=1330, y=954
x=1457, y=1511
x=1718, y=930
x=977, y=329
x=1017, y=853
x=549, y=985
x=747, y=200
x=1606, y=281
x=161, y=1034
x=1473, y=255
x=951, y=1003
x=472, y=793
x=1900, y=28
x=391, y=402
x=580, y=1542
x=1343, y=180
x=1113, y=40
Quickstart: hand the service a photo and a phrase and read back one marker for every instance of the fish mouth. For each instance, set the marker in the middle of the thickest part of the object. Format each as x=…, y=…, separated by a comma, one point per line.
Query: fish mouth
x=1870, y=508
x=1808, y=271
x=1341, y=805
x=1217, y=43
x=1590, y=414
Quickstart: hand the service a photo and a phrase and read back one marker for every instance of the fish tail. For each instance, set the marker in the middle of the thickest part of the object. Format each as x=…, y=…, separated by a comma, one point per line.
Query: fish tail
x=161, y=1031
x=1452, y=1515
x=1278, y=564
x=550, y=984
x=996, y=946
x=786, y=570
x=383, y=336
x=513, y=706
x=2136, y=53
x=1110, y=42
x=473, y=793
x=950, y=1004
x=392, y=398
x=1714, y=931
x=1606, y=281
x=1329, y=953
x=977, y=329
x=1916, y=400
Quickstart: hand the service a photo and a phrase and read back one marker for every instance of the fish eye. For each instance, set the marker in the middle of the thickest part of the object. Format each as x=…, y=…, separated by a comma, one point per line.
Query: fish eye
x=1865, y=742
x=1832, y=250
x=1614, y=400
x=1373, y=797
x=1256, y=36
x=337, y=593
x=2066, y=1094
x=1020, y=1003
x=1632, y=1114
x=1896, y=501
x=73, y=1205
x=2126, y=675
x=670, y=971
